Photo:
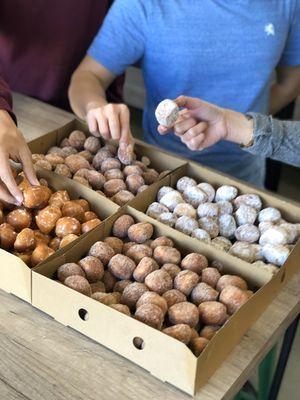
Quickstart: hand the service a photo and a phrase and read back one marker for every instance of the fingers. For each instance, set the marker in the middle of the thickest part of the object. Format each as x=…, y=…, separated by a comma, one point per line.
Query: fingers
x=6, y=197
x=126, y=135
x=103, y=125
x=93, y=125
x=196, y=143
x=8, y=179
x=195, y=136
x=188, y=102
x=26, y=160
x=184, y=125
x=163, y=130
x=114, y=125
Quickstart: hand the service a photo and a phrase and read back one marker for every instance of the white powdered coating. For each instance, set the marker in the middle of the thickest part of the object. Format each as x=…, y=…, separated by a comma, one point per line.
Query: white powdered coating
x=185, y=209
x=155, y=209
x=185, y=182
x=208, y=210
x=221, y=243
x=263, y=226
x=167, y=112
x=274, y=235
x=251, y=199
x=273, y=269
x=245, y=215
x=225, y=207
x=202, y=235
x=226, y=193
x=270, y=214
x=210, y=225
x=291, y=230
x=194, y=196
x=245, y=251
x=227, y=225
x=208, y=189
x=247, y=233
x=275, y=254
x=171, y=200
x=167, y=218
x=186, y=225
x=164, y=190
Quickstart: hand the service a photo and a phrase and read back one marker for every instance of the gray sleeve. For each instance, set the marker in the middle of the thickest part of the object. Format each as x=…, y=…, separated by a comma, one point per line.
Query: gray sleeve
x=276, y=139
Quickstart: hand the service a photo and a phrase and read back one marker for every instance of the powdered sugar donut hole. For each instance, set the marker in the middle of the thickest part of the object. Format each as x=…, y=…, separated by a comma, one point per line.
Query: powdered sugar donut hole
x=167, y=113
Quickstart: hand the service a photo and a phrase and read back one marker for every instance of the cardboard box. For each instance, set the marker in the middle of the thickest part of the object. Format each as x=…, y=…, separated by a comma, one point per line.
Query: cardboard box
x=289, y=209
x=164, y=357
x=15, y=275
x=160, y=160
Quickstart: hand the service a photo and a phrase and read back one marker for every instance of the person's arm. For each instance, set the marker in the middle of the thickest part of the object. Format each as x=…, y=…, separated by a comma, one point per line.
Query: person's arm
x=119, y=43
x=285, y=89
x=279, y=140
x=14, y=147
x=88, y=100
x=202, y=124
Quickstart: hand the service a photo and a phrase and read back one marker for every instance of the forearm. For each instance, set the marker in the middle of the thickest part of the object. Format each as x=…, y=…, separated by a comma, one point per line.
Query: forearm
x=6, y=98
x=85, y=92
x=276, y=139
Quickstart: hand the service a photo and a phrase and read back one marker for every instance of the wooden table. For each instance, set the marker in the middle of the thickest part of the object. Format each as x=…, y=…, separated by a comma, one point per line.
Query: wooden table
x=40, y=359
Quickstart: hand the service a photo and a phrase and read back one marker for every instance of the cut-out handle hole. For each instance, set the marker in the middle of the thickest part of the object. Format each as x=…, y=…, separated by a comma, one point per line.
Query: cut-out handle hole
x=138, y=343
x=282, y=277
x=83, y=314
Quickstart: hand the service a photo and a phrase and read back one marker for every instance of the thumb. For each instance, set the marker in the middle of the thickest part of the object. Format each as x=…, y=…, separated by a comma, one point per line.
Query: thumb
x=201, y=110
x=188, y=102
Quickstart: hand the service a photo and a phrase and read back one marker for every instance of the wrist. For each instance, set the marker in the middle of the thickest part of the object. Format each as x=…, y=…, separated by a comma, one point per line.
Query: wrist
x=239, y=128
x=6, y=119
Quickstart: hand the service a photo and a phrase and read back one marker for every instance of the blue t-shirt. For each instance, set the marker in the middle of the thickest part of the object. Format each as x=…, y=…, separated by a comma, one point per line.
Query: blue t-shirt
x=223, y=51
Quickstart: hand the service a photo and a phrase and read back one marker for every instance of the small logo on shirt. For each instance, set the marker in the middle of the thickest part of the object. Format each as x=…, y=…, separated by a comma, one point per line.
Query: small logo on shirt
x=270, y=30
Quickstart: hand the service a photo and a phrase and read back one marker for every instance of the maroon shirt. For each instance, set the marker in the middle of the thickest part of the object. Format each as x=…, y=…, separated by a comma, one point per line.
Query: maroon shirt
x=41, y=44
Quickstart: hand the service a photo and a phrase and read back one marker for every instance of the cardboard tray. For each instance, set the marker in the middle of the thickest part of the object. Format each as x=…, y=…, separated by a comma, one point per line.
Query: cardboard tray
x=289, y=209
x=15, y=275
x=164, y=357
x=160, y=160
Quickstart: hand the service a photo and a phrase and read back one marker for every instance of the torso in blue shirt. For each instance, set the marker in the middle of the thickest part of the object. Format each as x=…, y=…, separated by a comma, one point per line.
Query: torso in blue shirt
x=222, y=51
